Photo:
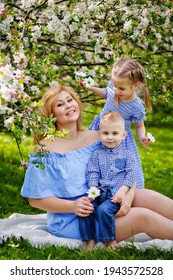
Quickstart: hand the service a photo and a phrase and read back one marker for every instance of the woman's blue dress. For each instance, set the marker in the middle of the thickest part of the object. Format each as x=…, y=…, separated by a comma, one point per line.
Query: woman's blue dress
x=63, y=176
x=132, y=111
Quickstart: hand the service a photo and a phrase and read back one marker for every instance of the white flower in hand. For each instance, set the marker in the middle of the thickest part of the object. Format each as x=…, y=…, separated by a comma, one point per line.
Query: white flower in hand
x=93, y=192
x=150, y=137
x=89, y=82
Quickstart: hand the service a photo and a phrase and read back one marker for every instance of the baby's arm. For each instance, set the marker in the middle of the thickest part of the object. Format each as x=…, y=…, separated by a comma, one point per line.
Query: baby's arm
x=127, y=202
x=141, y=133
x=96, y=90
x=120, y=194
x=129, y=185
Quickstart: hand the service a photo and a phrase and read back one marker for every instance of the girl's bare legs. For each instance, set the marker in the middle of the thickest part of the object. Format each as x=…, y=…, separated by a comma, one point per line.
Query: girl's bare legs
x=154, y=201
x=143, y=220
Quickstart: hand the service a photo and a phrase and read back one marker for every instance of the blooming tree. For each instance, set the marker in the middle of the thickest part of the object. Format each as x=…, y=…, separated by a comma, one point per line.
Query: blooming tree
x=43, y=41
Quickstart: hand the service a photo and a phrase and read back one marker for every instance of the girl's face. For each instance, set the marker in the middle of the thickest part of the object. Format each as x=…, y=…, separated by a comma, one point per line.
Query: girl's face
x=125, y=88
x=65, y=109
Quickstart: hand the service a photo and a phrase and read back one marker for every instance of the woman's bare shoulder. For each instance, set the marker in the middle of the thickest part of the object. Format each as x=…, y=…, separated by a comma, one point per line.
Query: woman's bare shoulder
x=91, y=135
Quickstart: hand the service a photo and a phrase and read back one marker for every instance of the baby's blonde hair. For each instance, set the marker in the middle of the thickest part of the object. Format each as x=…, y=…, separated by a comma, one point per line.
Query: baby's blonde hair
x=133, y=70
x=114, y=117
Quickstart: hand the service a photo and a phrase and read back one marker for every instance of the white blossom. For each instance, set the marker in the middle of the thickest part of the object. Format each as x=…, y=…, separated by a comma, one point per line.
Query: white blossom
x=93, y=192
x=150, y=137
x=36, y=32
x=80, y=74
x=127, y=25
x=158, y=36
x=35, y=89
x=53, y=84
x=89, y=82
x=8, y=122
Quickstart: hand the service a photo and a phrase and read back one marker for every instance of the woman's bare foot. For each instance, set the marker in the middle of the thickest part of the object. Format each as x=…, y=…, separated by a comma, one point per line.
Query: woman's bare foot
x=90, y=244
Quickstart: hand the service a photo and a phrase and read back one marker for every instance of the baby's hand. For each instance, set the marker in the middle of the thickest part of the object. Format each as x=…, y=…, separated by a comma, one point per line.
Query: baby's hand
x=118, y=197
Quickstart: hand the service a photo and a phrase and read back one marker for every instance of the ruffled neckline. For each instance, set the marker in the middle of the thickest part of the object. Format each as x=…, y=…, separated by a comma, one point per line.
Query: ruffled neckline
x=69, y=153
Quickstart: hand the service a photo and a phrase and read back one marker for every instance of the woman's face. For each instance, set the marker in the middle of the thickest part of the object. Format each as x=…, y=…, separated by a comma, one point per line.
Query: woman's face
x=65, y=109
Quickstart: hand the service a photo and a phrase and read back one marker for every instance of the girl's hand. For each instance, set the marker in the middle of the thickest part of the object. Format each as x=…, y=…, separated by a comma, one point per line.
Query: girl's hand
x=83, y=207
x=82, y=83
x=145, y=142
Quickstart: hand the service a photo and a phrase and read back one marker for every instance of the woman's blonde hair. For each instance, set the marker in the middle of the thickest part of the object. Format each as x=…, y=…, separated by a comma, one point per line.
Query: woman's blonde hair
x=48, y=101
x=133, y=70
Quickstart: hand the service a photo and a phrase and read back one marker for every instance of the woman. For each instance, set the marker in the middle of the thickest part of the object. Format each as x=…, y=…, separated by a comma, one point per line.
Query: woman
x=60, y=189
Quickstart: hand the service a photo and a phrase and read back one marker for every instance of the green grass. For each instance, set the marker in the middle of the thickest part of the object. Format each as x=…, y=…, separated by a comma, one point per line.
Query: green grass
x=157, y=163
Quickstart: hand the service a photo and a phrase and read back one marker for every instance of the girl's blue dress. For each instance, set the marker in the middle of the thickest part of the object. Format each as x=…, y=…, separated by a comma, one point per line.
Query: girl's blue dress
x=132, y=111
x=64, y=177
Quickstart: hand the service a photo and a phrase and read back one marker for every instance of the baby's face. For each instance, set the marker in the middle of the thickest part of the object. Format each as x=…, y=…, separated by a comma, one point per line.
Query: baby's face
x=111, y=134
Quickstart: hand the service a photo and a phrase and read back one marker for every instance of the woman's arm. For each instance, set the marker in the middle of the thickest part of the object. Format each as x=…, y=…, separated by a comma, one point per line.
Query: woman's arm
x=140, y=131
x=127, y=202
x=81, y=206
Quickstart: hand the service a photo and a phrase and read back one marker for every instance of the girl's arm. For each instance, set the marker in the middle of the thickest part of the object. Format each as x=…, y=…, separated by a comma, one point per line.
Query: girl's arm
x=58, y=205
x=127, y=202
x=96, y=90
x=140, y=131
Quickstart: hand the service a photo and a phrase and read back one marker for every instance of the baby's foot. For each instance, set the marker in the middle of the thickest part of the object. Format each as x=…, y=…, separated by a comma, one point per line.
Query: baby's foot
x=111, y=244
x=90, y=244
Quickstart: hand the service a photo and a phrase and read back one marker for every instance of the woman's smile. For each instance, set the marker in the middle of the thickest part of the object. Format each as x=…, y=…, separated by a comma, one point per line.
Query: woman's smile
x=66, y=108
x=71, y=112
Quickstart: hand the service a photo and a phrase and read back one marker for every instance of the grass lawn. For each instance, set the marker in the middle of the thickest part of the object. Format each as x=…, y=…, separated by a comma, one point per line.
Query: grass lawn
x=157, y=163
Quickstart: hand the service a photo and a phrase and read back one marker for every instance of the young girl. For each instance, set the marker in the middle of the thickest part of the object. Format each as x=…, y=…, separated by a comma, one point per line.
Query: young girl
x=121, y=94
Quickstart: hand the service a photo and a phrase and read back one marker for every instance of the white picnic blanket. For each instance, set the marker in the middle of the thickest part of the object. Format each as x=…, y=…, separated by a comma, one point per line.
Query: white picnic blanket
x=34, y=229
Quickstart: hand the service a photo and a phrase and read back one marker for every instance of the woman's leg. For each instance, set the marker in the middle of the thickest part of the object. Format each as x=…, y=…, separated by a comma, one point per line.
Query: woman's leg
x=154, y=201
x=143, y=220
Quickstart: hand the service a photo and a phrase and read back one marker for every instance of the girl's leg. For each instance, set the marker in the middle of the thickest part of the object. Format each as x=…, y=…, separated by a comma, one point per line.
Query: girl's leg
x=143, y=220
x=154, y=201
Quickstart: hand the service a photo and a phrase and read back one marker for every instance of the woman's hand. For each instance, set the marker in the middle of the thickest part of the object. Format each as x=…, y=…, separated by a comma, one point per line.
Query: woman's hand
x=83, y=207
x=127, y=202
x=124, y=209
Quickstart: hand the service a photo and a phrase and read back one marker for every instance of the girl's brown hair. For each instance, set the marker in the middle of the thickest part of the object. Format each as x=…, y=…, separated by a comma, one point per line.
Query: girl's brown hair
x=48, y=100
x=133, y=70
